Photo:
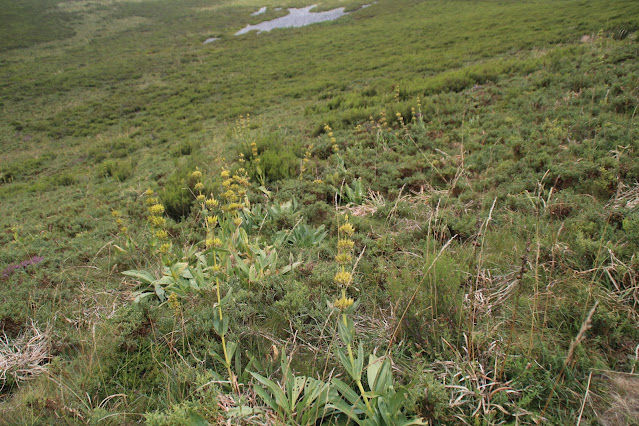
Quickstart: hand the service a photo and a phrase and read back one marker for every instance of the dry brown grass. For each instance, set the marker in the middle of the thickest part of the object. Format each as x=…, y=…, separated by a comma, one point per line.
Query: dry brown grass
x=24, y=357
x=627, y=196
x=619, y=405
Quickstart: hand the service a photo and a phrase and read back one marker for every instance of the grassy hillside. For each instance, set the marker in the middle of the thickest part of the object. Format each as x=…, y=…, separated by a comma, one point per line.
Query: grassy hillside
x=465, y=172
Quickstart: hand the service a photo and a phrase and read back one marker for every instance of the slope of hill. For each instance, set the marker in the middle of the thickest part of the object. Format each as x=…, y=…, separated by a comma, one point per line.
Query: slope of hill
x=465, y=172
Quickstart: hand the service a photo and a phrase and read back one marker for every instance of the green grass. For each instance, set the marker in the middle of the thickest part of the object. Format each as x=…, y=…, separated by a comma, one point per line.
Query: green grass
x=101, y=100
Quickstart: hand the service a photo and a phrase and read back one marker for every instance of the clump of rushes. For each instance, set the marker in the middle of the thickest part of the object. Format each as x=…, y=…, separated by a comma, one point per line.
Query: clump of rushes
x=155, y=216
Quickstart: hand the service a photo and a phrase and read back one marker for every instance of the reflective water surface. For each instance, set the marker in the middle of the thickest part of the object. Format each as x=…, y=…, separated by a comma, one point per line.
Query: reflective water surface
x=295, y=18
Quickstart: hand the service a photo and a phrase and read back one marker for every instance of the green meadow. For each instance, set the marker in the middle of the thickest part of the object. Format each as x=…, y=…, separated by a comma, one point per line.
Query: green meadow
x=423, y=212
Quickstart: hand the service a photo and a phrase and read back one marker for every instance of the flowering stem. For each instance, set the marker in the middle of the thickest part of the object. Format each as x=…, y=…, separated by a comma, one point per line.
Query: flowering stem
x=358, y=380
x=227, y=361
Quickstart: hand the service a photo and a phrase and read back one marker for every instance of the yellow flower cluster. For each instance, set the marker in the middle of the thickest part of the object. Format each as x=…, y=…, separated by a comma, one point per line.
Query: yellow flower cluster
x=306, y=160
x=331, y=136
x=174, y=303
x=344, y=258
x=235, y=190
x=155, y=217
x=343, y=278
x=347, y=229
x=382, y=123
x=243, y=122
x=343, y=303
x=118, y=220
x=156, y=209
x=254, y=152
x=197, y=174
x=210, y=220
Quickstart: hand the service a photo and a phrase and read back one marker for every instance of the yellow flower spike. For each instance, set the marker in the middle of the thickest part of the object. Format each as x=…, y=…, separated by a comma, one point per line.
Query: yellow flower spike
x=115, y=213
x=124, y=229
x=119, y=221
x=237, y=221
x=164, y=248
x=174, y=303
x=152, y=200
x=156, y=209
x=342, y=278
x=335, y=148
x=212, y=203
x=211, y=220
x=148, y=192
x=225, y=174
x=199, y=186
x=161, y=234
x=200, y=198
x=209, y=242
x=197, y=174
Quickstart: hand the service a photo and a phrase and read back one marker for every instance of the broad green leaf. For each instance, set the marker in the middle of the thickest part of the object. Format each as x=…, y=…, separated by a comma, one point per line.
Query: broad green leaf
x=275, y=390
x=266, y=398
x=351, y=396
x=346, y=362
x=143, y=276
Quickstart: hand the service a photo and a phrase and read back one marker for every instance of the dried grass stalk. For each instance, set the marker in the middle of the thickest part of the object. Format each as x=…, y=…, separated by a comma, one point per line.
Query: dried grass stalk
x=24, y=357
